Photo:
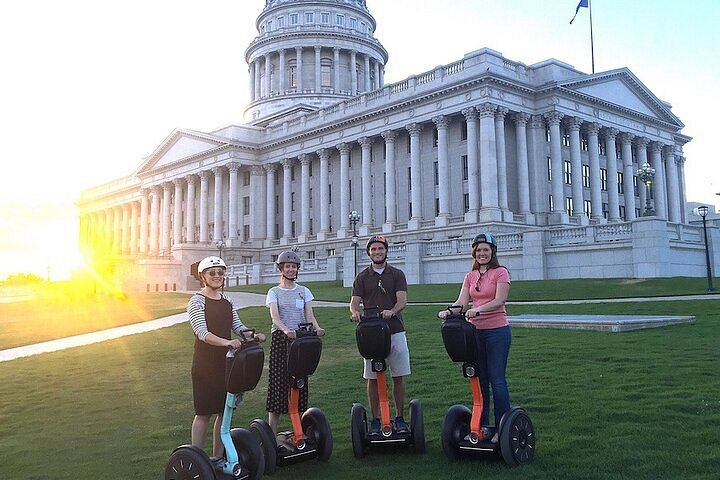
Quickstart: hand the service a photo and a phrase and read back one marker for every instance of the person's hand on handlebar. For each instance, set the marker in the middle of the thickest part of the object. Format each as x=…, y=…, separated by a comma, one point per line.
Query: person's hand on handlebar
x=387, y=314
x=320, y=331
x=234, y=344
x=443, y=314
x=290, y=334
x=260, y=337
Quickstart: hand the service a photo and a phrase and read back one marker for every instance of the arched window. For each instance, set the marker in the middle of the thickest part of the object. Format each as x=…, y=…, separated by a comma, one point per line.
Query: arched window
x=326, y=69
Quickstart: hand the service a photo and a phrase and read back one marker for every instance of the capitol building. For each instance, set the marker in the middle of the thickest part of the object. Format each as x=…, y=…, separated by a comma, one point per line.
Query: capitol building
x=548, y=158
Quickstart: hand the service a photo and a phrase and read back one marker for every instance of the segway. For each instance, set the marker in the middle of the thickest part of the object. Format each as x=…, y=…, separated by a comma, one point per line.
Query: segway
x=311, y=436
x=461, y=429
x=373, y=341
x=243, y=458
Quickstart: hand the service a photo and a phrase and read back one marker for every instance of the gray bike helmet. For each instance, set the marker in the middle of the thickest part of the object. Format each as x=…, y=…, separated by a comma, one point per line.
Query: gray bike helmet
x=288, y=257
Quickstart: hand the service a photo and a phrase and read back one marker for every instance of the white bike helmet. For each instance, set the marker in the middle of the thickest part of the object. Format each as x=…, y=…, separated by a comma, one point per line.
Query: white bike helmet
x=209, y=262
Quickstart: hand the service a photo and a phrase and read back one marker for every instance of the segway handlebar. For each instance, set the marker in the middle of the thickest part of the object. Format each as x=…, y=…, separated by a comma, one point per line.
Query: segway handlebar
x=455, y=311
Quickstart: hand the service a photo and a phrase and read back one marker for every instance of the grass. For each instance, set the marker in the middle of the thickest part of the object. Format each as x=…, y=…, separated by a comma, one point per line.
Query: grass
x=636, y=405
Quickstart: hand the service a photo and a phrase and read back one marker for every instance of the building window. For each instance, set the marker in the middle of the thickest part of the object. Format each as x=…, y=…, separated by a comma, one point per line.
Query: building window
x=330, y=194
x=312, y=228
x=605, y=210
x=435, y=137
x=621, y=188
x=340, y=20
x=588, y=207
x=550, y=203
x=246, y=233
x=409, y=178
x=436, y=174
x=310, y=197
x=292, y=201
x=549, y=169
x=568, y=172
x=310, y=168
x=246, y=259
x=547, y=135
x=350, y=189
x=293, y=19
x=408, y=144
x=270, y=25
x=437, y=206
x=569, y=205
x=325, y=17
x=330, y=252
x=466, y=202
x=309, y=18
x=463, y=130
x=603, y=179
x=246, y=178
x=246, y=205
x=292, y=172
x=353, y=23
x=618, y=152
x=281, y=22
x=583, y=142
x=326, y=73
x=363, y=28
x=409, y=210
x=635, y=186
x=621, y=209
x=565, y=137
x=601, y=148
x=586, y=176
x=292, y=70
x=292, y=229
x=277, y=203
x=311, y=255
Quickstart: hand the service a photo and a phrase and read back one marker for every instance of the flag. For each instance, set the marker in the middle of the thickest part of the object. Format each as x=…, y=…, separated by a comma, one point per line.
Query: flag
x=583, y=3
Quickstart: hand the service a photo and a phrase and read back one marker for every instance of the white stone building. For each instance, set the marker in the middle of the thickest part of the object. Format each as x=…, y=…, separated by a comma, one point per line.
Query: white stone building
x=543, y=155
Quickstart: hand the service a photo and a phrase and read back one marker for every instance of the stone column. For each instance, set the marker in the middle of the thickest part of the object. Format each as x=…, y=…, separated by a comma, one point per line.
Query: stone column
x=155, y=220
x=596, y=212
x=282, y=87
x=502, y=182
x=204, y=204
x=165, y=222
x=270, y=171
x=268, y=66
x=305, y=204
x=576, y=174
x=324, y=155
x=366, y=213
x=628, y=176
x=539, y=168
x=134, y=220
x=558, y=214
x=117, y=230
x=673, y=187
x=336, y=70
x=144, y=209
x=251, y=81
x=641, y=156
x=233, y=168
x=353, y=72
x=298, y=69
x=441, y=123
x=489, y=209
x=125, y=230
x=366, y=67
x=256, y=80
x=217, y=205
x=344, y=150
x=523, y=175
x=390, y=193
x=190, y=210
x=287, y=198
x=471, y=216
x=318, y=83
x=258, y=203
x=416, y=216
x=681, y=181
x=612, y=177
x=376, y=83
x=177, y=211
x=659, y=183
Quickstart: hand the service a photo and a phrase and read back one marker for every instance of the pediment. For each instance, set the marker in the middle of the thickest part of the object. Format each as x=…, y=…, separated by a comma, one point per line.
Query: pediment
x=181, y=144
x=620, y=87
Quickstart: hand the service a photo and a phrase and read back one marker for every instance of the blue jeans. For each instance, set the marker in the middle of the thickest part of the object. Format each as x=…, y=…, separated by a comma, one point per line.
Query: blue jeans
x=493, y=351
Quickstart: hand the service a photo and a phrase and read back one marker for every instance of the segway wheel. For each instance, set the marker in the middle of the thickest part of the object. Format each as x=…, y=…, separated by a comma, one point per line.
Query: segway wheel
x=456, y=425
x=250, y=455
x=517, y=438
x=316, y=427
x=358, y=429
x=188, y=462
x=417, y=426
x=266, y=439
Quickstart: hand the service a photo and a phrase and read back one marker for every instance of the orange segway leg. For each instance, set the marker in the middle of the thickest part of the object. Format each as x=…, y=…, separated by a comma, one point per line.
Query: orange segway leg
x=475, y=426
x=295, y=415
x=384, y=402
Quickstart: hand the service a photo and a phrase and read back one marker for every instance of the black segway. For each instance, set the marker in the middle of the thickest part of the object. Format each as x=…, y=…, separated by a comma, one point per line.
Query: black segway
x=243, y=458
x=373, y=341
x=461, y=429
x=311, y=436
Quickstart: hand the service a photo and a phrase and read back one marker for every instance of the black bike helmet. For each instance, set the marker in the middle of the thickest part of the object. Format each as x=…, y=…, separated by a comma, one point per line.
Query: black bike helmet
x=376, y=239
x=485, y=237
x=288, y=257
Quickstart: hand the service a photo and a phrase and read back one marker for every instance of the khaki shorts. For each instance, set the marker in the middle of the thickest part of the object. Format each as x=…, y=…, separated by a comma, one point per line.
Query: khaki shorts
x=398, y=361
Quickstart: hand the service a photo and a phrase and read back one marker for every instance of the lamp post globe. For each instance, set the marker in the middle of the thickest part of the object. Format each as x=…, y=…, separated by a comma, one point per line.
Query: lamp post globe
x=702, y=211
x=646, y=173
x=220, y=245
x=354, y=217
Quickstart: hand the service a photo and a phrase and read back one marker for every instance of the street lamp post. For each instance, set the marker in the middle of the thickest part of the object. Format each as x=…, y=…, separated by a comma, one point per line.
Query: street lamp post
x=220, y=244
x=646, y=173
x=702, y=210
x=354, y=219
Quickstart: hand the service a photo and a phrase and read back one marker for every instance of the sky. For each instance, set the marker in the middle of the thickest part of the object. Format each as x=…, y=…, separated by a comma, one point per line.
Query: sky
x=89, y=88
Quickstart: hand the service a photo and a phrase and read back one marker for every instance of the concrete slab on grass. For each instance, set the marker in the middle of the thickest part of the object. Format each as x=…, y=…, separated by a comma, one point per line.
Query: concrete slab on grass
x=609, y=323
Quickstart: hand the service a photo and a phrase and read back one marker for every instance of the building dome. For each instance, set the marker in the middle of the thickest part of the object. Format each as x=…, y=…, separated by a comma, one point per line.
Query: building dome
x=309, y=54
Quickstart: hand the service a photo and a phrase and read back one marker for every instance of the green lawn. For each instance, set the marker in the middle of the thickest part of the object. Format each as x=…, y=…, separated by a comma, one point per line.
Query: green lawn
x=635, y=405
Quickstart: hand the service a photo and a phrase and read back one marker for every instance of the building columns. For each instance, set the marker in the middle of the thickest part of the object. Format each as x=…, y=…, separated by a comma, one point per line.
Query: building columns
x=612, y=175
x=628, y=176
x=390, y=194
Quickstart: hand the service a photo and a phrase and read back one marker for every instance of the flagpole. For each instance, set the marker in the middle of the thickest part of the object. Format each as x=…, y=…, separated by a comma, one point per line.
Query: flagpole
x=592, y=47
